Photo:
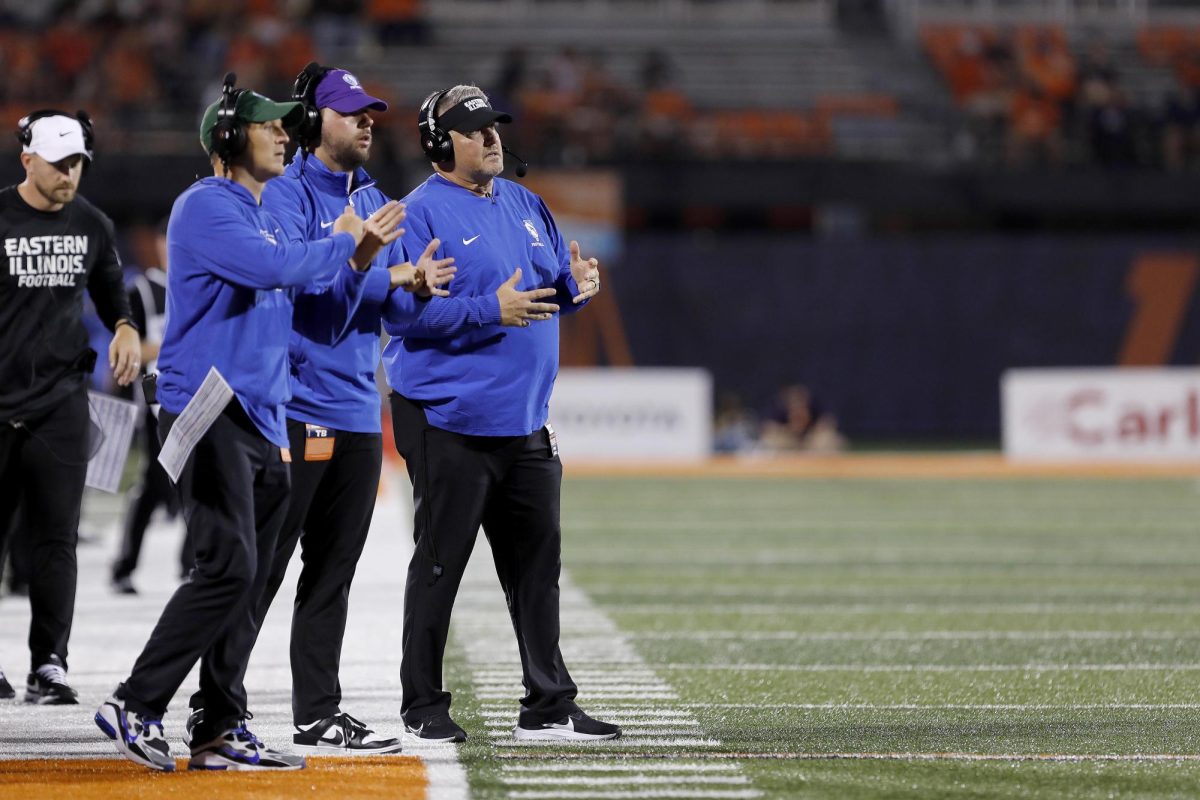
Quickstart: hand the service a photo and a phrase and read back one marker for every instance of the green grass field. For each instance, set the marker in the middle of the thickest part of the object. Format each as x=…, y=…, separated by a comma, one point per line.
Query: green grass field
x=870, y=638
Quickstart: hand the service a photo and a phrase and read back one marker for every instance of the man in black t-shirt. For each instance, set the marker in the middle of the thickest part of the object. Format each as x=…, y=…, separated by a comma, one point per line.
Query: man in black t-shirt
x=56, y=244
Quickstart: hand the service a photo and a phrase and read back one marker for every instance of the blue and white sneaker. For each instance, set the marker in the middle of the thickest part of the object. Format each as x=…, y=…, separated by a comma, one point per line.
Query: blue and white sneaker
x=140, y=739
x=239, y=749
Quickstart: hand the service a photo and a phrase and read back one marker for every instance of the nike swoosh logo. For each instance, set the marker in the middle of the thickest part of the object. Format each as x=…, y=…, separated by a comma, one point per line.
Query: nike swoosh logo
x=569, y=725
x=473, y=238
x=327, y=224
x=64, y=133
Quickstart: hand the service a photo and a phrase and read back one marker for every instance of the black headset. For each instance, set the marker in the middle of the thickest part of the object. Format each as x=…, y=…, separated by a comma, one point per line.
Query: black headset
x=304, y=90
x=229, y=134
x=436, y=143
x=24, y=130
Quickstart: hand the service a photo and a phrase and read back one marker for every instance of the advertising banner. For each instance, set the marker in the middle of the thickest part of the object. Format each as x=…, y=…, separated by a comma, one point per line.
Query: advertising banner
x=635, y=414
x=1141, y=414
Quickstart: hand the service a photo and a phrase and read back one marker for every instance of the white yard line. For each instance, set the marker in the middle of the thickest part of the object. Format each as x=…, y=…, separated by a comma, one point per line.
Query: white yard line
x=930, y=607
x=684, y=794
x=953, y=706
x=615, y=683
x=853, y=756
x=642, y=780
x=684, y=767
x=856, y=667
x=916, y=636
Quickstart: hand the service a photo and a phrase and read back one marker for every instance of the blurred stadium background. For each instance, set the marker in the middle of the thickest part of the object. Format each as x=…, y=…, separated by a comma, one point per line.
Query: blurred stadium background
x=836, y=224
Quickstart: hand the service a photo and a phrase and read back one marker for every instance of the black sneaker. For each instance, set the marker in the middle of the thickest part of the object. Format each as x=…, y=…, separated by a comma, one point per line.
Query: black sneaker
x=6, y=690
x=194, y=719
x=239, y=749
x=576, y=726
x=123, y=585
x=138, y=738
x=47, y=685
x=438, y=728
x=343, y=733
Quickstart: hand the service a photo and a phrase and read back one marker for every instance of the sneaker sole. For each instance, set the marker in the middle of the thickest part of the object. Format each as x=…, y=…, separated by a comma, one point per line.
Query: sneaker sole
x=219, y=764
x=342, y=750
x=47, y=700
x=557, y=735
x=109, y=727
x=412, y=737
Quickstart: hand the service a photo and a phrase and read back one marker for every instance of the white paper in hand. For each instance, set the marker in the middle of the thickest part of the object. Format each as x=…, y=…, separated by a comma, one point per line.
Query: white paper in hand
x=197, y=417
x=116, y=419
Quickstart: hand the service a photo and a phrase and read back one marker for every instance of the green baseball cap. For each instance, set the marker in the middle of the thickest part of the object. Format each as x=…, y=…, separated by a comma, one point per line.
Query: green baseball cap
x=251, y=107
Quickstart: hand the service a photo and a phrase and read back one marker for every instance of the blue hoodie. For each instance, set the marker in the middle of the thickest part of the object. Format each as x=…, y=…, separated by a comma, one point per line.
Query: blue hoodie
x=476, y=377
x=226, y=301
x=334, y=346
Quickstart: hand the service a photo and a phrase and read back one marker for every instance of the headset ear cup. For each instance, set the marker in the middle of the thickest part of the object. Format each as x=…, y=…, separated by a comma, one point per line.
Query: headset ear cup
x=304, y=90
x=229, y=139
x=435, y=142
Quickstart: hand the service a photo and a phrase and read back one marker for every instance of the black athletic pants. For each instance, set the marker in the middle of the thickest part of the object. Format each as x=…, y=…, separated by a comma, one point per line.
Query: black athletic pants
x=329, y=514
x=510, y=485
x=234, y=494
x=154, y=490
x=43, y=464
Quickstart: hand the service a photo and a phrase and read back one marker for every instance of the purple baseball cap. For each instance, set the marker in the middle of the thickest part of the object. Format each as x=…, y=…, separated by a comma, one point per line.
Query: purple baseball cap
x=342, y=92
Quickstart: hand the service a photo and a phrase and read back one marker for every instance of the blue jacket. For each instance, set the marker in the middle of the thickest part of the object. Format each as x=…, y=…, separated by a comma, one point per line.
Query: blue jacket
x=334, y=346
x=227, y=304
x=472, y=375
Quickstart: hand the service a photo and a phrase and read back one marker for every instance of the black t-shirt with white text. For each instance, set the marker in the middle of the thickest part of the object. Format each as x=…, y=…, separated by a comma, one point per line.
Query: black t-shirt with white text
x=49, y=258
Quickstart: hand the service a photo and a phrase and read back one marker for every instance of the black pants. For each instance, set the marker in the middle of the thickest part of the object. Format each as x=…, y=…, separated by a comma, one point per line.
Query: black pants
x=510, y=485
x=234, y=494
x=43, y=464
x=329, y=514
x=153, y=491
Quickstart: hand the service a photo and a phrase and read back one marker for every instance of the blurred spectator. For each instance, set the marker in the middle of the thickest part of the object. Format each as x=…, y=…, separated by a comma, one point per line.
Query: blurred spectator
x=798, y=423
x=666, y=112
x=148, y=303
x=337, y=25
x=510, y=80
x=1112, y=132
x=1034, y=127
x=735, y=429
x=399, y=22
x=1180, y=137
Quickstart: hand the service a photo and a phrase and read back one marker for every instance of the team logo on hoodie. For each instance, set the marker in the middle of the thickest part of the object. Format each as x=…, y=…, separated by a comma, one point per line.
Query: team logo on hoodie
x=537, y=239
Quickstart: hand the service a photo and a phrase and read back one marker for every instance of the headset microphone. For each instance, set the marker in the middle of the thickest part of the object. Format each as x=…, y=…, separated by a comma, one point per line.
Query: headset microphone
x=522, y=167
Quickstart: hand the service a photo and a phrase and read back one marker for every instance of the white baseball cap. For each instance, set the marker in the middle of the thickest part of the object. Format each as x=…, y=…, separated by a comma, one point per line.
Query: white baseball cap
x=57, y=137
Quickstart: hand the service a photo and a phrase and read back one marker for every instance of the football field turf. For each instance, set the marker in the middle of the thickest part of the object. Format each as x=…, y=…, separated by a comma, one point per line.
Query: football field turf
x=887, y=637
x=829, y=631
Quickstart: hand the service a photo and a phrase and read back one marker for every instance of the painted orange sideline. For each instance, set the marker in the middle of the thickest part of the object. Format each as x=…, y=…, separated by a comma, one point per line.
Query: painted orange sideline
x=939, y=466
x=392, y=777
